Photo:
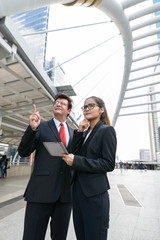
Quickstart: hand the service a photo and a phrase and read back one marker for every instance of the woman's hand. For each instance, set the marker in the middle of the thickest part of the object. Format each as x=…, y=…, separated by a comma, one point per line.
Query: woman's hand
x=68, y=158
x=83, y=125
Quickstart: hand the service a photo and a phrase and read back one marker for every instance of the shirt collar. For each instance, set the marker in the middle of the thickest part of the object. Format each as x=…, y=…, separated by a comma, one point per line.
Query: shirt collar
x=57, y=123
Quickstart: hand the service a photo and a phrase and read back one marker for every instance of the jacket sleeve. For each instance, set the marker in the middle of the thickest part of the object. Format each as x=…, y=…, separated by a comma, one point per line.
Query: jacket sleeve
x=28, y=142
x=106, y=161
x=77, y=142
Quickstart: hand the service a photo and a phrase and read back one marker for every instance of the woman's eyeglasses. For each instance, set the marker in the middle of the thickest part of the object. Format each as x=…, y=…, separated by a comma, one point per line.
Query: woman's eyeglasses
x=90, y=106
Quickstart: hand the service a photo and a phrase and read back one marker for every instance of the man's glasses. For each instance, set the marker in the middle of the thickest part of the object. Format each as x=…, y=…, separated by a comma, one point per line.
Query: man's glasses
x=60, y=103
x=90, y=106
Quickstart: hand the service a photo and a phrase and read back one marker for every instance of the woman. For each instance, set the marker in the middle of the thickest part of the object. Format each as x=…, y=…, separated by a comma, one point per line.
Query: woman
x=94, y=146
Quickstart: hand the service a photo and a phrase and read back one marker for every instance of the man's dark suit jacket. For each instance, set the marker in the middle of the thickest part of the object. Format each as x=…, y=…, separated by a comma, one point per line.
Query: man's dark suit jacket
x=94, y=158
x=50, y=179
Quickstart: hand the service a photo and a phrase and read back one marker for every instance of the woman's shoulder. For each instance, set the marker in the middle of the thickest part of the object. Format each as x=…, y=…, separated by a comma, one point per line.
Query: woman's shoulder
x=107, y=129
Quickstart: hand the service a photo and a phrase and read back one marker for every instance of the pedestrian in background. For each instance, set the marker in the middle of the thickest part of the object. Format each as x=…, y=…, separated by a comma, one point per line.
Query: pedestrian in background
x=121, y=166
x=6, y=162
x=3, y=166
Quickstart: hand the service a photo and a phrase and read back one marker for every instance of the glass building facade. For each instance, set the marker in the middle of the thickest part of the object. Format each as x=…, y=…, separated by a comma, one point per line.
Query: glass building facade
x=31, y=22
x=156, y=14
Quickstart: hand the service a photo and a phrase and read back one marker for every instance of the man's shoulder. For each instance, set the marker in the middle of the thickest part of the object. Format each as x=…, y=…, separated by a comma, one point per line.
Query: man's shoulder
x=46, y=123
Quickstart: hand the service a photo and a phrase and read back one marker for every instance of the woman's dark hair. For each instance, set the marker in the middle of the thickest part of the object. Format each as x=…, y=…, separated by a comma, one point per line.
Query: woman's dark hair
x=104, y=116
x=64, y=96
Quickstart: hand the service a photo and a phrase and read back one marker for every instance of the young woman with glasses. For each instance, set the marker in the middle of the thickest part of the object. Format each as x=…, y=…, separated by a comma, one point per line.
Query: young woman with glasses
x=94, y=148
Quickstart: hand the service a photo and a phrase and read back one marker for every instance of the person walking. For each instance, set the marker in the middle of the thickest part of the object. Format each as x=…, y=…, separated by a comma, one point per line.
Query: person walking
x=48, y=193
x=6, y=160
x=2, y=165
x=121, y=166
x=94, y=151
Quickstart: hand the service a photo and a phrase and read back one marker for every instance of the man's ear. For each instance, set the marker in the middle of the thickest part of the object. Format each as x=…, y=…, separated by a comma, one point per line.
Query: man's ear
x=69, y=111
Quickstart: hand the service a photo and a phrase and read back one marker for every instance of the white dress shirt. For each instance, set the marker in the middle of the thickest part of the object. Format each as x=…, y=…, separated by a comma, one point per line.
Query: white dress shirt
x=58, y=126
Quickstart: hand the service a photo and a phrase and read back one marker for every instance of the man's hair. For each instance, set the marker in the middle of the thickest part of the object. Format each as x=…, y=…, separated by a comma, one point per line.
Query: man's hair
x=64, y=96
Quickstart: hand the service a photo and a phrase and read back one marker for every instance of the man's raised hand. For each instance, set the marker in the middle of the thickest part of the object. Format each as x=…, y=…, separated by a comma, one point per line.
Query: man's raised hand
x=34, y=119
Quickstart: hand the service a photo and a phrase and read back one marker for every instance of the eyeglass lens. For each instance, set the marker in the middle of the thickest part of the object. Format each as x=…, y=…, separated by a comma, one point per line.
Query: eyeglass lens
x=89, y=106
x=60, y=103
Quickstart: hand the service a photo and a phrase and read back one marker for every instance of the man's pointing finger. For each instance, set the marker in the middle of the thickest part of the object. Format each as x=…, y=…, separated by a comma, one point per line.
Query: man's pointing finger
x=34, y=109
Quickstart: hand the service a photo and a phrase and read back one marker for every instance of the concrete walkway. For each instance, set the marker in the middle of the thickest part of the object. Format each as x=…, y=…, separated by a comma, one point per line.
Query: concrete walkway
x=134, y=215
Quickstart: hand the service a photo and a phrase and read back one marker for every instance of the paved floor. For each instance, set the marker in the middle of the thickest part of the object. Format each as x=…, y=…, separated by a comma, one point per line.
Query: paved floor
x=135, y=206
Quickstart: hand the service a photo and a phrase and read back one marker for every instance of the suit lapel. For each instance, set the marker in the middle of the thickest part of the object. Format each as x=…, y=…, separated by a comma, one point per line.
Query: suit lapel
x=54, y=130
x=85, y=145
x=70, y=135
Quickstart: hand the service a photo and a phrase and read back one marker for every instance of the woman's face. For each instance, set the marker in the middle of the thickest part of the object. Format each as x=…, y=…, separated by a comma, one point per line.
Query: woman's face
x=91, y=110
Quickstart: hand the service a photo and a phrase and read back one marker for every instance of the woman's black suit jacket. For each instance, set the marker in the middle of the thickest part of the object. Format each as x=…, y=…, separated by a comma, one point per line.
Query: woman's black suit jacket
x=51, y=177
x=94, y=158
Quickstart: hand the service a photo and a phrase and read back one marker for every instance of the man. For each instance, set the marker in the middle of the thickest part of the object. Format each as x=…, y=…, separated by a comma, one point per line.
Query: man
x=48, y=193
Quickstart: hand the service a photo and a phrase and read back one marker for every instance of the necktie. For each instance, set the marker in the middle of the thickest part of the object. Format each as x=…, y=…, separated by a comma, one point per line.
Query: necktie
x=62, y=134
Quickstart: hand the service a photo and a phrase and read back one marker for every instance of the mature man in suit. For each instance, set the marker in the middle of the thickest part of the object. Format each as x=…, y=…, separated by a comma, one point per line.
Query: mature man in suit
x=48, y=193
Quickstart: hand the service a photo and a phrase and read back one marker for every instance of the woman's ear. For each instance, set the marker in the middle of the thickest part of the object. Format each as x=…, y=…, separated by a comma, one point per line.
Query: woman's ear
x=101, y=110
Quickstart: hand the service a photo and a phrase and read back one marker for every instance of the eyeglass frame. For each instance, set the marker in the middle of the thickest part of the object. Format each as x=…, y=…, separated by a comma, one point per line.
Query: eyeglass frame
x=90, y=106
x=60, y=103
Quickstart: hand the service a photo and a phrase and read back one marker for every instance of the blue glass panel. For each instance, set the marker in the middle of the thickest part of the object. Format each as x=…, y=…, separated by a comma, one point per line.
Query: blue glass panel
x=157, y=24
x=36, y=20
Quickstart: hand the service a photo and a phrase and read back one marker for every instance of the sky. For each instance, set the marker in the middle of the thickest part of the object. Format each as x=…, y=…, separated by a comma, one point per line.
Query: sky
x=98, y=71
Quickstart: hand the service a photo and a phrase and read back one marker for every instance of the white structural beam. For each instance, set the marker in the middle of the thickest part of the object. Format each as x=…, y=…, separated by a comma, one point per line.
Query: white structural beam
x=156, y=42
x=145, y=23
x=146, y=34
x=142, y=86
x=115, y=11
x=140, y=104
x=137, y=113
x=146, y=66
x=151, y=9
x=131, y=3
x=144, y=76
x=153, y=54
x=142, y=95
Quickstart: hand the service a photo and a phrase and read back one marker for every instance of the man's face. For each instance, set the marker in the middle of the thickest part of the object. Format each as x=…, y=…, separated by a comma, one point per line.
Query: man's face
x=60, y=107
